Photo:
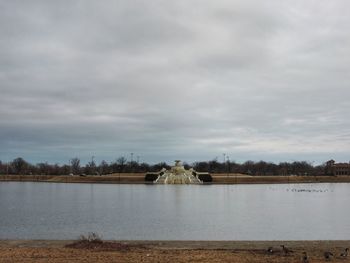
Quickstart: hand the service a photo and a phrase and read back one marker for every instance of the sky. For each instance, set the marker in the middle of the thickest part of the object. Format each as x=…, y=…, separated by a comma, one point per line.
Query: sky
x=187, y=79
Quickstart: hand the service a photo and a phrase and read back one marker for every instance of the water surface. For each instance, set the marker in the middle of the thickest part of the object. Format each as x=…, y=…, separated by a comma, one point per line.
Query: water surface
x=175, y=212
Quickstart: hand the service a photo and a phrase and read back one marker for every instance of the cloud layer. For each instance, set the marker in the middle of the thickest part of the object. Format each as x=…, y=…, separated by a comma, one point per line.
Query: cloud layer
x=167, y=80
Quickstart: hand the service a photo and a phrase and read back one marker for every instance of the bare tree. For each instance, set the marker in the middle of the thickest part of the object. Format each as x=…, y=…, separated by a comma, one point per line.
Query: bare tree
x=121, y=162
x=103, y=167
x=19, y=165
x=90, y=168
x=75, y=165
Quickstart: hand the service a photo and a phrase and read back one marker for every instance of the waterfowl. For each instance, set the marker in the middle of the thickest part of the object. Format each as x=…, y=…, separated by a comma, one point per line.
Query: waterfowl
x=269, y=250
x=328, y=255
x=345, y=253
x=285, y=250
x=305, y=258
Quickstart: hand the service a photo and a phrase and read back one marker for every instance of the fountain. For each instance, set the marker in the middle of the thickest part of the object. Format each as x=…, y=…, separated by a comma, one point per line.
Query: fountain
x=177, y=174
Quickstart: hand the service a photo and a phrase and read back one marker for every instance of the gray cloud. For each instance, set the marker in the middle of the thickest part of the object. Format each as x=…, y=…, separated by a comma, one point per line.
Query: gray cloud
x=189, y=79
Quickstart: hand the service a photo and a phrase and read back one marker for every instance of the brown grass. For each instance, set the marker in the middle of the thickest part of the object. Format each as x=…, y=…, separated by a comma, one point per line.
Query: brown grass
x=245, y=179
x=167, y=251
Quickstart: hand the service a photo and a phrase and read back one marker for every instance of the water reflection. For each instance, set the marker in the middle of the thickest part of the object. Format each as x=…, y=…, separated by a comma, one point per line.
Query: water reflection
x=175, y=212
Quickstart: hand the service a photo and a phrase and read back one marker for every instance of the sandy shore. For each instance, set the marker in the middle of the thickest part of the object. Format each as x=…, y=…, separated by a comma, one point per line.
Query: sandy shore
x=171, y=251
x=138, y=178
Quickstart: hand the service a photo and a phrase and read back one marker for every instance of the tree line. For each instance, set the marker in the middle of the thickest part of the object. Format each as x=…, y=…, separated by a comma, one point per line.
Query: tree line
x=19, y=166
x=122, y=165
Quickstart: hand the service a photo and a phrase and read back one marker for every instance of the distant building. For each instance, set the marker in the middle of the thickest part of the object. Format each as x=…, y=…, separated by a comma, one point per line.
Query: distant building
x=333, y=168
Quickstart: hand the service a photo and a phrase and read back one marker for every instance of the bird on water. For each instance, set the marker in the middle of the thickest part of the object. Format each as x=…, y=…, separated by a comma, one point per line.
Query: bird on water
x=285, y=250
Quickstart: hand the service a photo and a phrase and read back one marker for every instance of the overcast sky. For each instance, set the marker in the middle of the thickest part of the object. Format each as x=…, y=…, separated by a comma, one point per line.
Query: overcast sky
x=190, y=80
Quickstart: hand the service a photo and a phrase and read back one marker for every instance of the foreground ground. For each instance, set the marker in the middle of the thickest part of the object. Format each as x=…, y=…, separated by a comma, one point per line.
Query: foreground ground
x=170, y=251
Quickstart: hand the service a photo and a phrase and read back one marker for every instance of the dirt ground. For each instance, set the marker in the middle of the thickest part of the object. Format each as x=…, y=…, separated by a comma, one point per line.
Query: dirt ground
x=171, y=251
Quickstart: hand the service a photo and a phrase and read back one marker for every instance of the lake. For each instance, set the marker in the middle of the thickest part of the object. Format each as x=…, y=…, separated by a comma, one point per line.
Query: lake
x=175, y=212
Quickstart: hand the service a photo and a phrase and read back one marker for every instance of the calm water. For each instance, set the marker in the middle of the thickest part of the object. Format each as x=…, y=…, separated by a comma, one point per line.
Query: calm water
x=174, y=212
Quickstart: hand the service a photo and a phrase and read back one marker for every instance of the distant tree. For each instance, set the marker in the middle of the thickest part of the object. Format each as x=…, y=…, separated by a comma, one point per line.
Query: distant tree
x=249, y=168
x=43, y=168
x=215, y=166
x=103, y=168
x=55, y=169
x=186, y=166
x=261, y=168
x=302, y=168
x=144, y=167
x=228, y=166
x=131, y=167
x=234, y=167
x=65, y=170
x=121, y=163
x=201, y=166
x=90, y=168
x=284, y=168
x=19, y=165
x=319, y=170
x=2, y=166
x=157, y=167
x=75, y=165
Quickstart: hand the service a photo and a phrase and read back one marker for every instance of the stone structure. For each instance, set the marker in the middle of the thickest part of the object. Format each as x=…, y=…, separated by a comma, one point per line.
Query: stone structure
x=177, y=174
x=333, y=168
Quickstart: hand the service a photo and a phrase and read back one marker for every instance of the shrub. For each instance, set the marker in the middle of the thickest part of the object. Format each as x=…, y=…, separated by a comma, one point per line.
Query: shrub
x=94, y=241
x=205, y=177
x=150, y=177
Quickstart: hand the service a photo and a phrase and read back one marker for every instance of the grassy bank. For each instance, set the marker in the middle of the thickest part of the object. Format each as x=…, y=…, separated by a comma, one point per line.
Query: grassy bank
x=171, y=251
x=138, y=178
x=244, y=179
x=126, y=178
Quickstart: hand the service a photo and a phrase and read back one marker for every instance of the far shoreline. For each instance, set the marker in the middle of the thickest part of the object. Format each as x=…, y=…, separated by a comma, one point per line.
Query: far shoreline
x=139, y=178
